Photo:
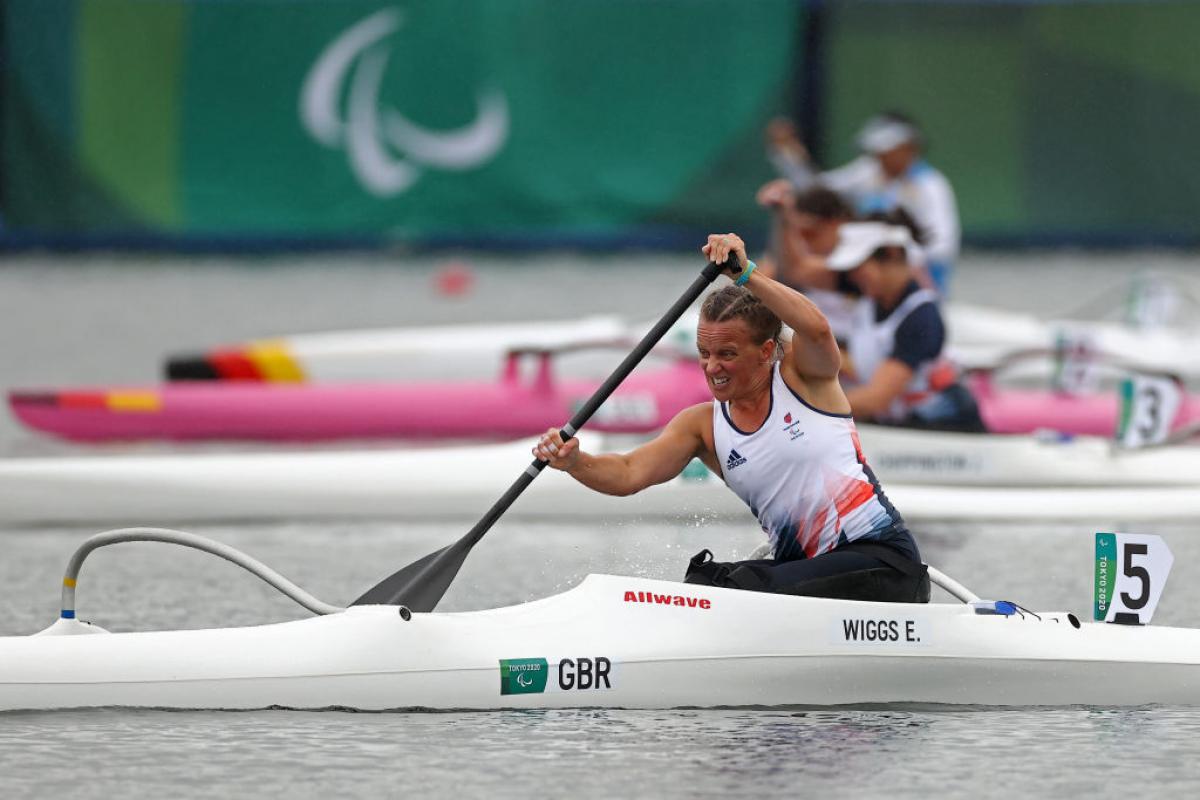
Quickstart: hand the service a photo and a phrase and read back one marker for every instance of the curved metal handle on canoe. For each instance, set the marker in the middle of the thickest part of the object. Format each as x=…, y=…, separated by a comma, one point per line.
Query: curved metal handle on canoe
x=195, y=542
x=623, y=343
x=941, y=579
x=1101, y=357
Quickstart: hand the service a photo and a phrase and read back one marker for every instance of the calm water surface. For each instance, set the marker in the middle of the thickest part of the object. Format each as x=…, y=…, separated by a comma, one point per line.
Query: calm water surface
x=110, y=321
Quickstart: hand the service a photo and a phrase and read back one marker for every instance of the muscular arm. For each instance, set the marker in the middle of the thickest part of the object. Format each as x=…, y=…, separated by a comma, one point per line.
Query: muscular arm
x=939, y=218
x=813, y=351
x=873, y=398
x=657, y=461
x=852, y=179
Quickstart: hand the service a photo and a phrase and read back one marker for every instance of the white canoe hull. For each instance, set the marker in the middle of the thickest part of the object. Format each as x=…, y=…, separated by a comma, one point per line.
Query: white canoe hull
x=929, y=476
x=449, y=351
x=983, y=337
x=602, y=644
x=929, y=458
x=980, y=337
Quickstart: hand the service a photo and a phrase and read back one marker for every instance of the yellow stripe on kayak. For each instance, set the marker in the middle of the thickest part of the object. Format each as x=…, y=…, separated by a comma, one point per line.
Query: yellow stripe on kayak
x=274, y=362
x=69, y=582
x=136, y=402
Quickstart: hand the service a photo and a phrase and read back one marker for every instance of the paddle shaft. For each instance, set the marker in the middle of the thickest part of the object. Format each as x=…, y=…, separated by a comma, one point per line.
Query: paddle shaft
x=585, y=412
x=420, y=585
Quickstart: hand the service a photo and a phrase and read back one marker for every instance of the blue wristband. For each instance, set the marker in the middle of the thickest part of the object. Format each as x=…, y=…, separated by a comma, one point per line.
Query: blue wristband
x=745, y=276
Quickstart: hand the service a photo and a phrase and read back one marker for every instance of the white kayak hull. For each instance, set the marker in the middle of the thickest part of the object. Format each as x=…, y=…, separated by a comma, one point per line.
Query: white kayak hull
x=616, y=642
x=981, y=337
x=441, y=351
x=912, y=457
x=928, y=476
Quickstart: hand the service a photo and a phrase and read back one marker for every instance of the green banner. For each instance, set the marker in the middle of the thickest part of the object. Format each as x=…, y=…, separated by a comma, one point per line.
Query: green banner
x=539, y=120
x=1059, y=121
x=455, y=118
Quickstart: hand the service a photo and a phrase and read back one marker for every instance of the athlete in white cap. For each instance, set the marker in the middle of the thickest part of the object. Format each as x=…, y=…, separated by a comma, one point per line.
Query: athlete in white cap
x=892, y=172
x=895, y=371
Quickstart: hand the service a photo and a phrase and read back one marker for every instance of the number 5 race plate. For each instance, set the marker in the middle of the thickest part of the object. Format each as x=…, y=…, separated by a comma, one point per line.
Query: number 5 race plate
x=1131, y=570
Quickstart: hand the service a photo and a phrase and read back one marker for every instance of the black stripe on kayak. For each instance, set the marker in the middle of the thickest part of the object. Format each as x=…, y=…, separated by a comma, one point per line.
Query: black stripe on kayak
x=191, y=368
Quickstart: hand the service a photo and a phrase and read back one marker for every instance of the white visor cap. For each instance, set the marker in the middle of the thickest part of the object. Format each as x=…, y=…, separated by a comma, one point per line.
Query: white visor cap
x=858, y=240
x=882, y=134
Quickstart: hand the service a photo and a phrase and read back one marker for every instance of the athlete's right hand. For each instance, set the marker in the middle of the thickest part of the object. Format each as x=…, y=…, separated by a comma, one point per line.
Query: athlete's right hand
x=727, y=250
x=776, y=194
x=783, y=137
x=554, y=451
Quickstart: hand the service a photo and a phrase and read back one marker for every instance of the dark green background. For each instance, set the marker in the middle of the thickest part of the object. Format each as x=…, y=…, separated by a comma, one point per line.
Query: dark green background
x=631, y=120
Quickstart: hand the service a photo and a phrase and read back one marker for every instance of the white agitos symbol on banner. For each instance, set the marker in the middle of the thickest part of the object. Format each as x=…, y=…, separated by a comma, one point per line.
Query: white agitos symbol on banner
x=386, y=151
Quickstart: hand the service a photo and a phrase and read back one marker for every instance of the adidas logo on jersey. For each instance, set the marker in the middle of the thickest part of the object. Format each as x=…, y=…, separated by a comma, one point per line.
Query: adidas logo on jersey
x=735, y=460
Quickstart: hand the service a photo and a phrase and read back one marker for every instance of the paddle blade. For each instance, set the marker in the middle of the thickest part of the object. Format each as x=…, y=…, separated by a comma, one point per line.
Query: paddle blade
x=383, y=592
x=421, y=584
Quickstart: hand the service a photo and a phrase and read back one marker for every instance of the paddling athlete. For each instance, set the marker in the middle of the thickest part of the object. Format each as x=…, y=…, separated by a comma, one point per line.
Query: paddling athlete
x=805, y=230
x=895, y=370
x=892, y=172
x=780, y=433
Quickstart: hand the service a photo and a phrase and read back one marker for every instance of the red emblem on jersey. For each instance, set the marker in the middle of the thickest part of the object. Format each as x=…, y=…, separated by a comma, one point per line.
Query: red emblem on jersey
x=788, y=418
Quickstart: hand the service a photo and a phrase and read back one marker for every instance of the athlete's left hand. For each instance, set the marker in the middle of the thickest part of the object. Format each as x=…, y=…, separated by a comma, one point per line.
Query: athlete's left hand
x=554, y=451
x=727, y=249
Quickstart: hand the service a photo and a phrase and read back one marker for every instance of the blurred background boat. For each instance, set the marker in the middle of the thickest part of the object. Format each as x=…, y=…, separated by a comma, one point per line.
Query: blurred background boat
x=929, y=476
x=514, y=405
x=522, y=402
x=982, y=338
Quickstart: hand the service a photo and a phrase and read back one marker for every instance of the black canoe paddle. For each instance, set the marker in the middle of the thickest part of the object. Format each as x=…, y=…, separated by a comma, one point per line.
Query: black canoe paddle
x=421, y=585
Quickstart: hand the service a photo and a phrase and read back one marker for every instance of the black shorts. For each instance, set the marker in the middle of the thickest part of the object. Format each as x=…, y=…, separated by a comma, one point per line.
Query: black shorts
x=865, y=570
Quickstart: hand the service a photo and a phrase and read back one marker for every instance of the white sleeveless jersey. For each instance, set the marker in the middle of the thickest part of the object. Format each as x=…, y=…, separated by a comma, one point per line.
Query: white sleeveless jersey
x=871, y=343
x=803, y=475
x=922, y=191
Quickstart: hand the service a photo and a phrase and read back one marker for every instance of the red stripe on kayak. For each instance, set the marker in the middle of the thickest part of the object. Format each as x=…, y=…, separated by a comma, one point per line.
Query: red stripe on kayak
x=234, y=366
x=82, y=400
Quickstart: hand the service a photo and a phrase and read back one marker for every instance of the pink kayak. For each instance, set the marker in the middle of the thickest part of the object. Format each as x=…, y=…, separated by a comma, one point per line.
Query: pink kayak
x=1011, y=410
x=513, y=406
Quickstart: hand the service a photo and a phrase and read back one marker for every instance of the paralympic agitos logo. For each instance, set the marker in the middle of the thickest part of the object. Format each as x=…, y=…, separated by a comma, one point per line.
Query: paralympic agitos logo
x=341, y=107
x=530, y=675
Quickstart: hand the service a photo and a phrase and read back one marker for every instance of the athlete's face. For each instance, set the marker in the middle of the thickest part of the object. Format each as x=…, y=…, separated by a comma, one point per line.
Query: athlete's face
x=895, y=162
x=733, y=362
x=880, y=279
x=820, y=234
x=867, y=277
